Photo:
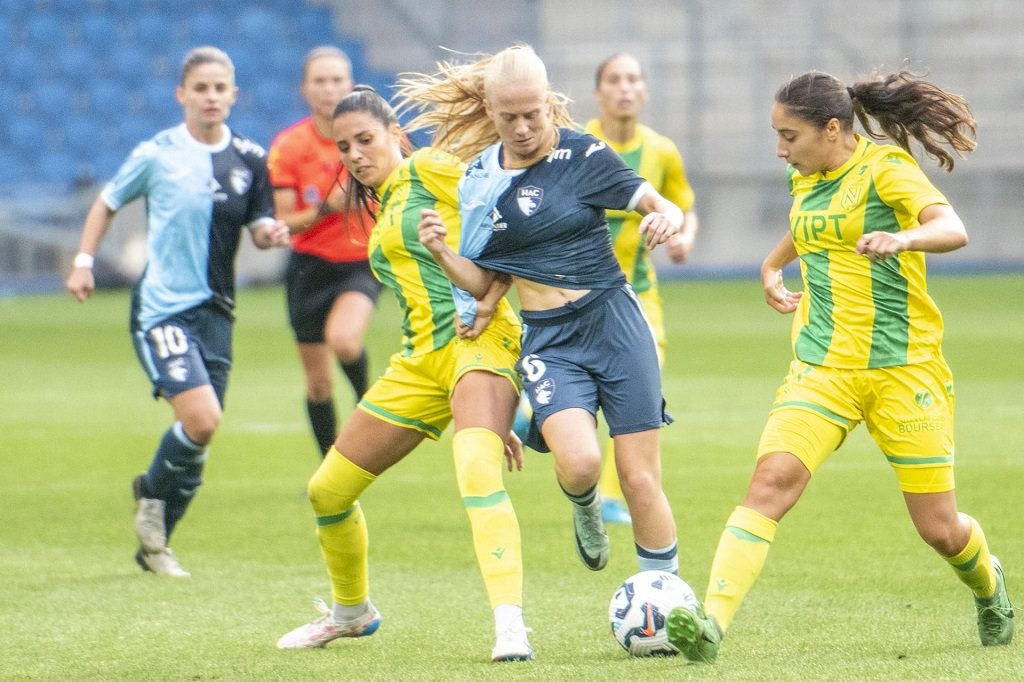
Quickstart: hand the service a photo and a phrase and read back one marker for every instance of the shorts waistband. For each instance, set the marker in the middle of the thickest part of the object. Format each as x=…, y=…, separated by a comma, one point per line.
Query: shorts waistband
x=571, y=310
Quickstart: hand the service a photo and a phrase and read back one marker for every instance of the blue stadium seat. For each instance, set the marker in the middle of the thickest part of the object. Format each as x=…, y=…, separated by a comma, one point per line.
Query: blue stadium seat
x=102, y=30
x=262, y=25
x=316, y=26
x=24, y=66
x=130, y=65
x=153, y=30
x=6, y=32
x=44, y=29
x=206, y=28
x=106, y=162
x=18, y=9
x=28, y=136
x=52, y=100
x=158, y=95
x=108, y=99
x=83, y=135
x=252, y=62
x=272, y=94
x=58, y=167
x=135, y=129
x=12, y=169
x=75, y=63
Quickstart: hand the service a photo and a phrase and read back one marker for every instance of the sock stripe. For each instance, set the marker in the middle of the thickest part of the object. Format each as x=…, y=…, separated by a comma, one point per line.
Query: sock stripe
x=969, y=564
x=331, y=519
x=492, y=500
x=179, y=433
x=584, y=499
x=745, y=535
x=666, y=553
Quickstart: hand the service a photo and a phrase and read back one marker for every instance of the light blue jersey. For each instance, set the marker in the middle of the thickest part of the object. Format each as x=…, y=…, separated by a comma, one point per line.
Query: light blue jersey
x=198, y=198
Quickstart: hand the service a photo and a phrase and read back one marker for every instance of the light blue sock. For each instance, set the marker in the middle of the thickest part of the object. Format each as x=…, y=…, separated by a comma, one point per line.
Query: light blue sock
x=664, y=559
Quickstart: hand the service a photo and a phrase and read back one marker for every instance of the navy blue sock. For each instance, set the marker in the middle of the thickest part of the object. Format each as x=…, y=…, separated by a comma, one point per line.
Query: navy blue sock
x=181, y=497
x=175, y=473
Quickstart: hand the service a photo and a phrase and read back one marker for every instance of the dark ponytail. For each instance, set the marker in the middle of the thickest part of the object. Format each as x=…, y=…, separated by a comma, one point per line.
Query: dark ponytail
x=902, y=104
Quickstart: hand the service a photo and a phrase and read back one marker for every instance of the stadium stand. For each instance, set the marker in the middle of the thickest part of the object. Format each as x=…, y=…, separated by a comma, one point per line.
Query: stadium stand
x=83, y=81
x=78, y=67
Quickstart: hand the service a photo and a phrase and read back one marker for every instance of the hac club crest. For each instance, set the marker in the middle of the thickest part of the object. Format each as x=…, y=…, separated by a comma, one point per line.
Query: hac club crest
x=241, y=178
x=528, y=199
x=544, y=391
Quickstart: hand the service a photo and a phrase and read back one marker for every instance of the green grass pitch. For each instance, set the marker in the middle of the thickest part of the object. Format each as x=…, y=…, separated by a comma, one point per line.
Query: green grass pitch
x=849, y=591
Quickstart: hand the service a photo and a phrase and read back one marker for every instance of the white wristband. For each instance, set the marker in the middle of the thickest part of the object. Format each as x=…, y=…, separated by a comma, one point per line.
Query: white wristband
x=84, y=260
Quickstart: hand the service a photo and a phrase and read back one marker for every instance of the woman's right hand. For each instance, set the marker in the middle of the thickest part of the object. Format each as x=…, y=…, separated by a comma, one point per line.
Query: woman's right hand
x=432, y=231
x=81, y=283
x=775, y=292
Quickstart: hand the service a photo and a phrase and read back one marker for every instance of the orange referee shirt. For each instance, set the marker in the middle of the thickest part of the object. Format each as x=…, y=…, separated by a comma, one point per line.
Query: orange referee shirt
x=302, y=159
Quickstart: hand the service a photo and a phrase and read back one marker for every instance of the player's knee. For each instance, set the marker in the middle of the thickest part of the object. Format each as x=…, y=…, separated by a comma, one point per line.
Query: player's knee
x=639, y=482
x=946, y=539
x=577, y=471
x=201, y=426
x=347, y=347
x=327, y=495
x=478, y=455
x=777, y=485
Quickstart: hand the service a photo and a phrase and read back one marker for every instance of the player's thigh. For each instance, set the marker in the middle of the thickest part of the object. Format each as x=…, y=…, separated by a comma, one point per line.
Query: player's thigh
x=814, y=410
x=485, y=384
x=375, y=444
x=911, y=420
x=413, y=393
x=186, y=351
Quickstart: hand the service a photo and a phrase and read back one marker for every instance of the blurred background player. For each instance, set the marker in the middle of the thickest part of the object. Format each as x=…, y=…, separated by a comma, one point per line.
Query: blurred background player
x=331, y=291
x=436, y=378
x=867, y=337
x=203, y=184
x=620, y=90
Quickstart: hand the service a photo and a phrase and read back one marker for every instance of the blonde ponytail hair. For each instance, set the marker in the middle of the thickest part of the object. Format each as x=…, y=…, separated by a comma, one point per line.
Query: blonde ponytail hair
x=451, y=102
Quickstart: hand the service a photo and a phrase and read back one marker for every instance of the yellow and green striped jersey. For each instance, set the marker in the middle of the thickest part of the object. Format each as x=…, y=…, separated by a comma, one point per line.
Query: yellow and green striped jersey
x=656, y=159
x=429, y=178
x=856, y=314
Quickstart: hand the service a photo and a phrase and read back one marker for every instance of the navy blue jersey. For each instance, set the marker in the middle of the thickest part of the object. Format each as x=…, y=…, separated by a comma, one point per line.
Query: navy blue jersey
x=546, y=223
x=198, y=199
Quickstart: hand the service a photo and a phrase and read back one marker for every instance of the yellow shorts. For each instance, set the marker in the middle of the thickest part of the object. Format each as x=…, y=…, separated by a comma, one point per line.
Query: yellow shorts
x=415, y=392
x=908, y=411
x=650, y=303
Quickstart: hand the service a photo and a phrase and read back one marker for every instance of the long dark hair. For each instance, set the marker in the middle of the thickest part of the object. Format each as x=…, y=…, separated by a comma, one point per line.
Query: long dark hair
x=902, y=104
x=364, y=98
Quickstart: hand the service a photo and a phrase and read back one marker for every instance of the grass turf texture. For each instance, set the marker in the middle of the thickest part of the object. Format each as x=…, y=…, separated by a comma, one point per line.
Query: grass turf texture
x=849, y=591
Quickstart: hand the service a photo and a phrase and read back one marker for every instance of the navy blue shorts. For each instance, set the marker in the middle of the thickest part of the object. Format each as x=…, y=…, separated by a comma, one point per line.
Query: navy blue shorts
x=594, y=353
x=314, y=284
x=187, y=350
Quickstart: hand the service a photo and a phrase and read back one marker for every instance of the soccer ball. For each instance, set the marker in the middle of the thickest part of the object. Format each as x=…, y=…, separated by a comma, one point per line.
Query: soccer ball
x=639, y=610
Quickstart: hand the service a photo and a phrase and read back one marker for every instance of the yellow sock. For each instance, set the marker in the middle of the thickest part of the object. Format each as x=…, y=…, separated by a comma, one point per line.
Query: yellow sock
x=742, y=550
x=973, y=565
x=609, y=483
x=334, y=492
x=479, y=457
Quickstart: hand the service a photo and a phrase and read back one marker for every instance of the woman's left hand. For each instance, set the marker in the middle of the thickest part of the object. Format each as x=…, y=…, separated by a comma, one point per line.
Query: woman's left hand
x=658, y=228
x=881, y=246
x=272, y=234
x=514, y=452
